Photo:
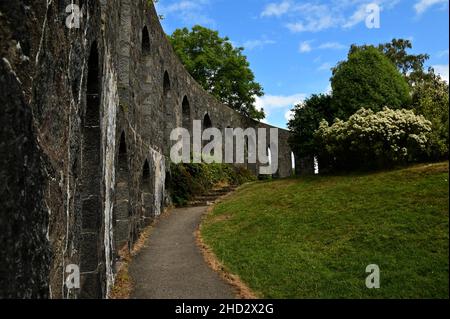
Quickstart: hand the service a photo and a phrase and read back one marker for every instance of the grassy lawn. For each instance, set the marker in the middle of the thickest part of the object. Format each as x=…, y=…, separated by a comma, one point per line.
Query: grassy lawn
x=313, y=237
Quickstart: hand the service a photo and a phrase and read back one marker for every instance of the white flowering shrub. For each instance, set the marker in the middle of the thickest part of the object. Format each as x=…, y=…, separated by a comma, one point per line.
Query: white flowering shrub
x=373, y=140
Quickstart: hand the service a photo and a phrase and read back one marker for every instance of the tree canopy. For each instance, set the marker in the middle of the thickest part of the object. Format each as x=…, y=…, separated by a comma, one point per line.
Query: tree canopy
x=219, y=68
x=374, y=77
x=368, y=79
x=306, y=120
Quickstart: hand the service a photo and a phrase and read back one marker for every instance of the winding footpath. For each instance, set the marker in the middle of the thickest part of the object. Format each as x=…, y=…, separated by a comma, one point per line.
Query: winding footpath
x=171, y=265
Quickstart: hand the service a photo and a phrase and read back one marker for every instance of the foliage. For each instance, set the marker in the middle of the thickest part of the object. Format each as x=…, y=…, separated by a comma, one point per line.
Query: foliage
x=411, y=66
x=373, y=140
x=430, y=99
x=317, y=241
x=367, y=79
x=306, y=120
x=219, y=68
x=372, y=78
x=189, y=180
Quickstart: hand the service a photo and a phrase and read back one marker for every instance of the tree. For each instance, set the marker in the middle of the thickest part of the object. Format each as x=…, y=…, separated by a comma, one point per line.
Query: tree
x=219, y=68
x=411, y=66
x=306, y=120
x=368, y=79
x=430, y=99
x=429, y=92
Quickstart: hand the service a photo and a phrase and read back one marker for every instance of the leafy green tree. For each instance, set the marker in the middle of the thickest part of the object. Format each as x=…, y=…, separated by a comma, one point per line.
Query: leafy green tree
x=429, y=91
x=368, y=79
x=306, y=120
x=430, y=99
x=411, y=66
x=220, y=68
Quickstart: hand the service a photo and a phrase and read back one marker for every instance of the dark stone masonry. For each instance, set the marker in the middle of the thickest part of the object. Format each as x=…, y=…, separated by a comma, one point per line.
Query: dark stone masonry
x=84, y=138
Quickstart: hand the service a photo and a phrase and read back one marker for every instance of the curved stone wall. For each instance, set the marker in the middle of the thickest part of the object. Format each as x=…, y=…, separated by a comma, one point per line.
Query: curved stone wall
x=104, y=99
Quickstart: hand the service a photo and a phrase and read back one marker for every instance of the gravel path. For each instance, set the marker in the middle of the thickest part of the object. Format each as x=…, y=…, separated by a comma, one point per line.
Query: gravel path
x=171, y=266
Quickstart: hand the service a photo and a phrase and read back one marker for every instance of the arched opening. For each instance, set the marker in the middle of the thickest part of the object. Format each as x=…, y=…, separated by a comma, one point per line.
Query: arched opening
x=147, y=193
x=167, y=111
x=166, y=84
x=246, y=151
x=122, y=209
x=186, y=113
x=267, y=164
x=251, y=155
x=91, y=214
x=145, y=42
x=316, y=165
x=146, y=176
x=206, y=124
x=293, y=163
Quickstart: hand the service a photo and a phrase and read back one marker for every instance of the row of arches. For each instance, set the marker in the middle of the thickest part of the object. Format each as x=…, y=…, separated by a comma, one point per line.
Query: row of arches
x=91, y=174
x=126, y=220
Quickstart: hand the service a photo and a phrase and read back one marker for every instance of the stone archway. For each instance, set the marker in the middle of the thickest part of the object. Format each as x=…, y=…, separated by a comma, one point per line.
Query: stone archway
x=145, y=45
x=91, y=207
x=122, y=210
x=293, y=163
x=186, y=114
x=147, y=193
x=167, y=110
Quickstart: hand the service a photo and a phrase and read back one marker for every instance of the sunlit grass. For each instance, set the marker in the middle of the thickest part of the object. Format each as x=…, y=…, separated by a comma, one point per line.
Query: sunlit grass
x=313, y=237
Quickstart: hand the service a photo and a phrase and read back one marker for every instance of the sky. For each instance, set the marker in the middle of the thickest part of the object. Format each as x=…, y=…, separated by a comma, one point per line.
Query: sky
x=292, y=45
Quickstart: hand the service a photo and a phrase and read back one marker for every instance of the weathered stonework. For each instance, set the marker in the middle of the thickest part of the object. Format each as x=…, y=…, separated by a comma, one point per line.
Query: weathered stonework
x=97, y=105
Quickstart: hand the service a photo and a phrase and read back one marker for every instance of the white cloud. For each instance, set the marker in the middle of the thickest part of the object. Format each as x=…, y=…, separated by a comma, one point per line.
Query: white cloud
x=272, y=102
x=332, y=45
x=276, y=9
x=423, y=5
x=325, y=67
x=254, y=44
x=305, y=46
x=289, y=115
x=189, y=11
x=315, y=16
x=442, y=70
x=358, y=16
x=442, y=53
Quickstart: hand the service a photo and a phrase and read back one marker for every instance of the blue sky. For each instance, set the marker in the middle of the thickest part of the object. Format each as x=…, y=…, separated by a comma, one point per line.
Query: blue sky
x=291, y=45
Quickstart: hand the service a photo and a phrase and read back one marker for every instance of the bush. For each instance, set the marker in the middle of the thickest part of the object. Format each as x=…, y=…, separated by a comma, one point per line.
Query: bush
x=371, y=140
x=190, y=180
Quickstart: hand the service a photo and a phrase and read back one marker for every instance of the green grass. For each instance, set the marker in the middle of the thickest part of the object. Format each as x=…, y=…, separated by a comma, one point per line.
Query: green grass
x=313, y=237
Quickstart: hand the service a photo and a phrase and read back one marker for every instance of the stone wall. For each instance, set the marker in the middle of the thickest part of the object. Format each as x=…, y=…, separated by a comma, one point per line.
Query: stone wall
x=97, y=104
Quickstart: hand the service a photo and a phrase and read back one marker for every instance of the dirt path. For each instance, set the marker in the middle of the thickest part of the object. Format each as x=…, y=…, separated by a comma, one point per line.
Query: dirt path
x=171, y=266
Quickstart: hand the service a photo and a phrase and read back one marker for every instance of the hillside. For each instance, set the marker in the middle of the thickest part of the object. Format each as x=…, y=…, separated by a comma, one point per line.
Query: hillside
x=313, y=237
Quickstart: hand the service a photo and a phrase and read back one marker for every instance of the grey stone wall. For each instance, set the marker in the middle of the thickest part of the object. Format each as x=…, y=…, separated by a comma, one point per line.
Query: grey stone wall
x=99, y=103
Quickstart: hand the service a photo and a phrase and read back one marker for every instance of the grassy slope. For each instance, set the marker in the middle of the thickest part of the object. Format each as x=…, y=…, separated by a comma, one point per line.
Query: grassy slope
x=313, y=237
